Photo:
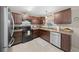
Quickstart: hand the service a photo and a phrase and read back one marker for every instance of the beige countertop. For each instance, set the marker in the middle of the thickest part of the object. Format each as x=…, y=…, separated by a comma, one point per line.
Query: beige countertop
x=60, y=31
x=70, y=32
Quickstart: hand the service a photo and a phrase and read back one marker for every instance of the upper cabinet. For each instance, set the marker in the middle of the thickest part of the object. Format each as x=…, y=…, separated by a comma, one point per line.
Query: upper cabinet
x=17, y=18
x=63, y=17
x=37, y=20
x=41, y=20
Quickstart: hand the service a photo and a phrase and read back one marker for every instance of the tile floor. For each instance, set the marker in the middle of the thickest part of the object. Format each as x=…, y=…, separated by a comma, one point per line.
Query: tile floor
x=36, y=45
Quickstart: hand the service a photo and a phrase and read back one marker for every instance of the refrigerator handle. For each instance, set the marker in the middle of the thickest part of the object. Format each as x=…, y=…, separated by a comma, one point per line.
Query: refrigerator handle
x=12, y=39
x=11, y=42
x=12, y=26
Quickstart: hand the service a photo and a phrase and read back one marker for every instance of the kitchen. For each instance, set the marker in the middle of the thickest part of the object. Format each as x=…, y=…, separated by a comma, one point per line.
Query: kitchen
x=53, y=27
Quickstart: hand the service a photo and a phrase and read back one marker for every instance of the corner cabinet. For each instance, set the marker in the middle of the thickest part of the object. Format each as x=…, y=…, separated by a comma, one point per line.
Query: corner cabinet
x=35, y=33
x=45, y=35
x=63, y=17
x=66, y=42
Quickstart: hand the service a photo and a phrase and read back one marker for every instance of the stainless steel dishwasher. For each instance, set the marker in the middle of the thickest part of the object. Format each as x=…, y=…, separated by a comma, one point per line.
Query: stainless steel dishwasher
x=55, y=39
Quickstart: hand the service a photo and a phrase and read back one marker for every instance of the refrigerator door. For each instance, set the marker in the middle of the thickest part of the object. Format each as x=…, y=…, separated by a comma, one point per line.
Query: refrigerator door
x=3, y=28
x=10, y=28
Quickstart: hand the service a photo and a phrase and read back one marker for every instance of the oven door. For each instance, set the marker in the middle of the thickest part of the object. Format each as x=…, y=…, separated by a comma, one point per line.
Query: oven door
x=27, y=34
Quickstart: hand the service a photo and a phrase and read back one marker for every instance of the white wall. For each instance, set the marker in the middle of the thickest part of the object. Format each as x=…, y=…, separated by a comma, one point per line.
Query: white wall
x=74, y=26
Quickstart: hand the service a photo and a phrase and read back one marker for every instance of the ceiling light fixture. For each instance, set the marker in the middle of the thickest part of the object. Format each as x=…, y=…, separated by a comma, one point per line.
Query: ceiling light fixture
x=30, y=8
x=46, y=14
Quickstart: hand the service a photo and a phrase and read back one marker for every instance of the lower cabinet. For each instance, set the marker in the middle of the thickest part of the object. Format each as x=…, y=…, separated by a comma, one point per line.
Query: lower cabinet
x=66, y=42
x=45, y=35
x=18, y=37
x=65, y=39
x=35, y=33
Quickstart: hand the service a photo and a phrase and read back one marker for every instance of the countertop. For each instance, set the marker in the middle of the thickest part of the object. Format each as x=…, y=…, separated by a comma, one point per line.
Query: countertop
x=18, y=30
x=70, y=32
x=60, y=31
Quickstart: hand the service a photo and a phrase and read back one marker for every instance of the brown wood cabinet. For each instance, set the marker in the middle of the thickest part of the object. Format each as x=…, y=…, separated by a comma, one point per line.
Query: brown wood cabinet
x=63, y=17
x=41, y=20
x=17, y=18
x=66, y=42
x=65, y=38
x=45, y=35
x=41, y=33
x=37, y=20
x=18, y=37
x=35, y=33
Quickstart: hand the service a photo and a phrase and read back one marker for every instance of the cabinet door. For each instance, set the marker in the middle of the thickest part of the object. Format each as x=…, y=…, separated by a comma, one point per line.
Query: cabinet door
x=63, y=17
x=36, y=20
x=58, y=18
x=17, y=18
x=18, y=37
x=67, y=16
x=65, y=42
x=45, y=35
x=35, y=33
x=41, y=20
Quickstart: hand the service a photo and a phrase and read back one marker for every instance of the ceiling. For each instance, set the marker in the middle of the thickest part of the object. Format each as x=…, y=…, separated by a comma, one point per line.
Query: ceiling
x=38, y=10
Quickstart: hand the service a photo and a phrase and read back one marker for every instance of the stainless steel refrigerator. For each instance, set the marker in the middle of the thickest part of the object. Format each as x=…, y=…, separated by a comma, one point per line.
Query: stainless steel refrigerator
x=6, y=28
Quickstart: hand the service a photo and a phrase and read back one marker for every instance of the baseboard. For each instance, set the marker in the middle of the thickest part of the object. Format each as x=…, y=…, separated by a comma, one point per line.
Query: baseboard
x=74, y=49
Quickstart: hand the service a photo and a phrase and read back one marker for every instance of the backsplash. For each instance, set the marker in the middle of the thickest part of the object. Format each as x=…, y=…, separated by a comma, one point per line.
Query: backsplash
x=50, y=23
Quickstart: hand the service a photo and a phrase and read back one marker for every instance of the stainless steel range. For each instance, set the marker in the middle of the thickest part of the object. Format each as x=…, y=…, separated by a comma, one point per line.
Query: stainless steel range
x=27, y=31
x=26, y=34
